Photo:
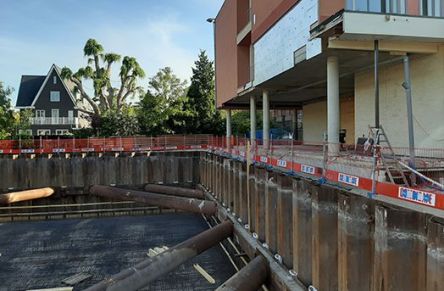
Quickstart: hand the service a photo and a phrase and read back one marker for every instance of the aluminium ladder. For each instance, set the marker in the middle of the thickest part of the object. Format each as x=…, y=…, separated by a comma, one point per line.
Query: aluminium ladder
x=388, y=156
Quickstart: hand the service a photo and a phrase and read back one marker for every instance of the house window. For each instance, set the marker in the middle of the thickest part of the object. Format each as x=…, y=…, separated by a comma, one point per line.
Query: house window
x=55, y=96
x=43, y=132
x=40, y=113
x=55, y=116
x=54, y=80
x=62, y=132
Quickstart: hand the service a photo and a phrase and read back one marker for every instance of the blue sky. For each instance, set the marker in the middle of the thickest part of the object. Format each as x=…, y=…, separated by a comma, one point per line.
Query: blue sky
x=37, y=33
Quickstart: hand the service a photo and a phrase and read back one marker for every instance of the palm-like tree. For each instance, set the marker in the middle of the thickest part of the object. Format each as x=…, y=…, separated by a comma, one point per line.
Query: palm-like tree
x=106, y=97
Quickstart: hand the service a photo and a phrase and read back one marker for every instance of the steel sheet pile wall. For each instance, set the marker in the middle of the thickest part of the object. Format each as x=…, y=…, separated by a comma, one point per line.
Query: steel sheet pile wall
x=77, y=171
x=329, y=238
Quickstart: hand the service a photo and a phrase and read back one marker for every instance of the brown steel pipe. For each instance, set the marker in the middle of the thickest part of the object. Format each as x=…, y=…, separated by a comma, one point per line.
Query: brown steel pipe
x=167, y=201
x=177, y=191
x=150, y=269
x=13, y=197
x=249, y=278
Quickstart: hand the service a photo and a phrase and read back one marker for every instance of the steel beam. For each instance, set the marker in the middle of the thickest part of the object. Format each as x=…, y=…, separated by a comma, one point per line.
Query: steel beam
x=408, y=94
x=176, y=191
x=150, y=269
x=13, y=197
x=376, y=57
x=180, y=203
x=249, y=278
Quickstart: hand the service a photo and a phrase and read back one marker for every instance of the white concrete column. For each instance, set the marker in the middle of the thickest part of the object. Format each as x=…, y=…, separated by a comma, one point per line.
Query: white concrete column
x=253, y=121
x=228, y=123
x=333, y=110
x=266, y=119
x=294, y=122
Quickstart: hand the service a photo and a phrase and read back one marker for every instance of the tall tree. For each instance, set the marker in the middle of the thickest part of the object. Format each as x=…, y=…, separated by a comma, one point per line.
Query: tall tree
x=201, y=98
x=6, y=113
x=161, y=109
x=99, y=70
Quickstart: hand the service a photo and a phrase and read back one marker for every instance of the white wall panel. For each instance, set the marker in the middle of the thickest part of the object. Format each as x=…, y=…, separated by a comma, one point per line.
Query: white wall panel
x=274, y=52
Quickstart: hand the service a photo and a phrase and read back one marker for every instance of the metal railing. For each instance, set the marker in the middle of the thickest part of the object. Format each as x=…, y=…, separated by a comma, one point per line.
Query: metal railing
x=431, y=8
x=350, y=159
x=54, y=120
x=109, y=144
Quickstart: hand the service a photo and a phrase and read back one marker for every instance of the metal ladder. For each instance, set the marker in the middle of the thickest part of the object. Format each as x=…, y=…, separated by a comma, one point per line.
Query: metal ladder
x=388, y=158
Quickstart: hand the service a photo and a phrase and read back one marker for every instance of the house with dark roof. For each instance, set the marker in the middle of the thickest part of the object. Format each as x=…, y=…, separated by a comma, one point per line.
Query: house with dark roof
x=53, y=103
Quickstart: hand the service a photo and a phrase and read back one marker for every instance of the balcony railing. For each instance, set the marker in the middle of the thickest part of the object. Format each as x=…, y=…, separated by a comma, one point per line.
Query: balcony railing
x=434, y=8
x=54, y=120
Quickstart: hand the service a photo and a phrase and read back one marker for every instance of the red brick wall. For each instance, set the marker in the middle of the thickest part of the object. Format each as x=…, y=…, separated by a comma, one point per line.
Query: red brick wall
x=226, y=52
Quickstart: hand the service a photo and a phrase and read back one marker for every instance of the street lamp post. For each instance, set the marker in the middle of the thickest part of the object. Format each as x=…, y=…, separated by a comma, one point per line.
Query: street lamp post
x=213, y=21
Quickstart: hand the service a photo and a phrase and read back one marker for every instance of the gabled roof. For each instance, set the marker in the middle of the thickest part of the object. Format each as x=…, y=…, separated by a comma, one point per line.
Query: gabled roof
x=68, y=83
x=28, y=94
x=29, y=86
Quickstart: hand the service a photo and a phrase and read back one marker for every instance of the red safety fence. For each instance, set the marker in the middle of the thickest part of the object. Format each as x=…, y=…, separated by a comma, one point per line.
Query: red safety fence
x=109, y=144
x=345, y=168
x=308, y=158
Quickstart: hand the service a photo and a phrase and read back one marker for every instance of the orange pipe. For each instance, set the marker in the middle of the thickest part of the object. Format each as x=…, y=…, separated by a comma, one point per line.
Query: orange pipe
x=13, y=197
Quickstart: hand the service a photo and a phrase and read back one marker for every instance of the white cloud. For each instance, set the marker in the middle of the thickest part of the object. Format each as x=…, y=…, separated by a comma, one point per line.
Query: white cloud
x=154, y=42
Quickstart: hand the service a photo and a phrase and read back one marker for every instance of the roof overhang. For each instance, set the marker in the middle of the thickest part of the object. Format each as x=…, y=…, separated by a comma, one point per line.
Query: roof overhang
x=349, y=36
x=53, y=68
x=306, y=82
x=24, y=107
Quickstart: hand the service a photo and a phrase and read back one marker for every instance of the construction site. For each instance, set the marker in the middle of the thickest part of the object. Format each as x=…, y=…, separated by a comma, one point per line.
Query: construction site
x=187, y=213
x=350, y=196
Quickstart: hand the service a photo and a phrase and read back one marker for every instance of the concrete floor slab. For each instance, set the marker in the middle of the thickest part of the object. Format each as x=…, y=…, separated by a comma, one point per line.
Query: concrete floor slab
x=41, y=254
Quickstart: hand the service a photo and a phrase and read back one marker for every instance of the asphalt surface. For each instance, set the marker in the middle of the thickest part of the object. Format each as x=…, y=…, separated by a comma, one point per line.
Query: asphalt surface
x=41, y=254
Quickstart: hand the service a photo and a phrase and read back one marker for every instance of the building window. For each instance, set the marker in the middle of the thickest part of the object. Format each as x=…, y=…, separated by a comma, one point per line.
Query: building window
x=395, y=6
x=432, y=8
x=55, y=96
x=40, y=113
x=54, y=80
x=379, y=6
x=43, y=132
x=62, y=132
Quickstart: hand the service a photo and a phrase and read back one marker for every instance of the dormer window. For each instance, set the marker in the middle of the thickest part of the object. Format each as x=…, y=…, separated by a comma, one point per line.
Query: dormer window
x=54, y=80
x=54, y=96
